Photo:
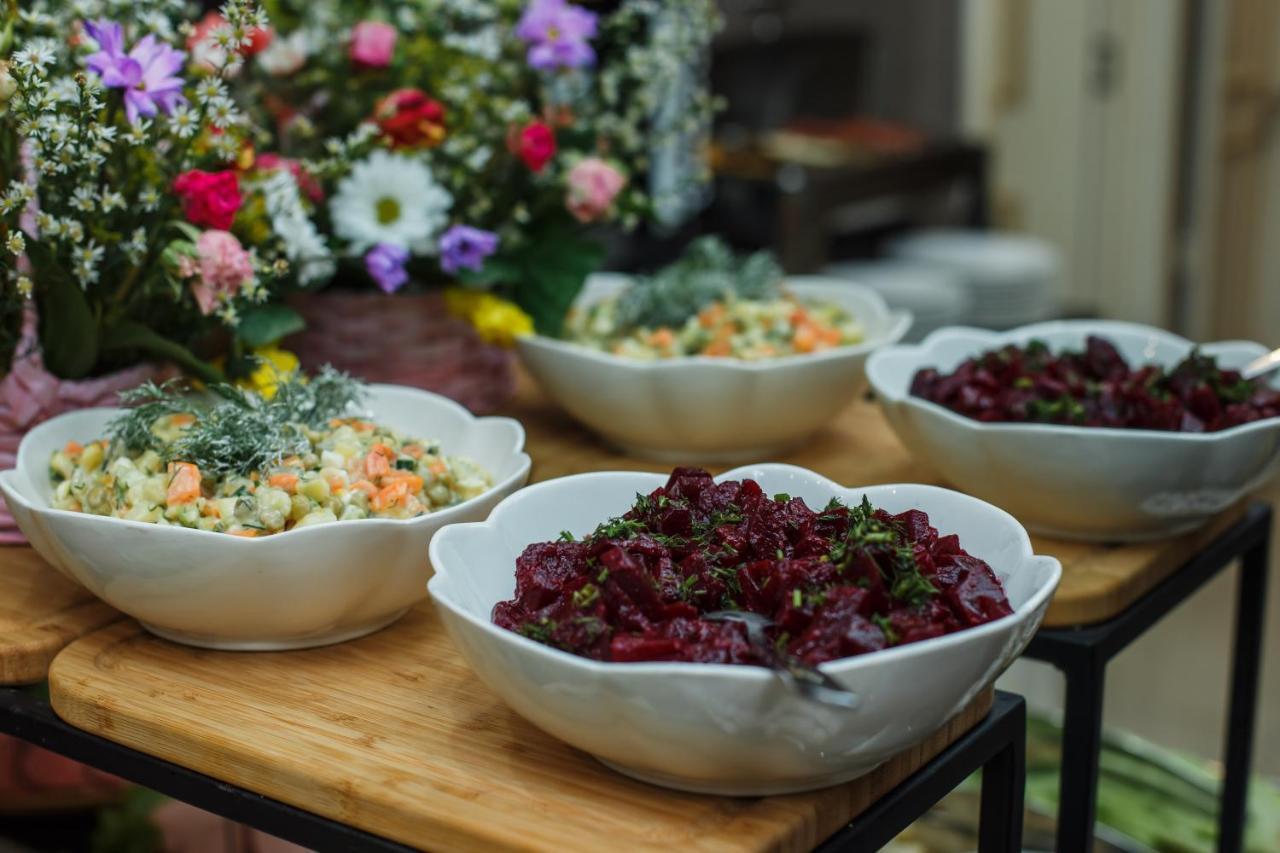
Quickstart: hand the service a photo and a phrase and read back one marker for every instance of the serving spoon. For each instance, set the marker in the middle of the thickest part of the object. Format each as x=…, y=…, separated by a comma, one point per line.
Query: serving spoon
x=1262, y=365
x=808, y=681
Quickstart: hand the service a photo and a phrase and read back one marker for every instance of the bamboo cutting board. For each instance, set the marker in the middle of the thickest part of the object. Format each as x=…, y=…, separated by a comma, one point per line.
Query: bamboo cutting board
x=1098, y=580
x=393, y=734
x=40, y=612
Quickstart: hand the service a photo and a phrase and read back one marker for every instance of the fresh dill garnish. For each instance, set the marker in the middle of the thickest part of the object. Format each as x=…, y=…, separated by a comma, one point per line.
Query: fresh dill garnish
x=618, y=528
x=147, y=404
x=687, y=587
x=566, y=536
x=239, y=433
x=885, y=625
x=586, y=596
x=540, y=631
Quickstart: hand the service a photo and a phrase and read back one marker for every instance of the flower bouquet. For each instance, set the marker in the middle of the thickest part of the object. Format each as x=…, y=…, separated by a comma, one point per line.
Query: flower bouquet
x=504, y=138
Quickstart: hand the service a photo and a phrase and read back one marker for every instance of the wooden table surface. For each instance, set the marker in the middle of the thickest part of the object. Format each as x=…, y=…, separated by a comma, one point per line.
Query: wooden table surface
x=40, y=612
x=393, y=734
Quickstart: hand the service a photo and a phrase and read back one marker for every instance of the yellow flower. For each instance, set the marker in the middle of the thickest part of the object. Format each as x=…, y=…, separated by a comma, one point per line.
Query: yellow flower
x=497, y=320
x=274, y=366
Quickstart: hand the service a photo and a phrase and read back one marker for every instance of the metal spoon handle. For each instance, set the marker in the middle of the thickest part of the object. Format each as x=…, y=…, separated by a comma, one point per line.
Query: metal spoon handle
x=1262, y=365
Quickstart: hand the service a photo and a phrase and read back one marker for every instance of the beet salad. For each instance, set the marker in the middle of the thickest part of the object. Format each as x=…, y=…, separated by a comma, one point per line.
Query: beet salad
x=838, y=581
x=1096, y=387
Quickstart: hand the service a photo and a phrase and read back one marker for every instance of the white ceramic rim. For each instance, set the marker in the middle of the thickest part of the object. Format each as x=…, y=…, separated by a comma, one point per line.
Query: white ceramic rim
x=898, y=322
x=20, y=488
x=985, y=339
x=724, y=670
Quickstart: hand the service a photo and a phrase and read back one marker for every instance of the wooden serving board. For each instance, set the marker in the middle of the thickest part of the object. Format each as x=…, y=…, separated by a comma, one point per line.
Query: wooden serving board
x=40, y=612
x=393, y=734
x=1098, y=580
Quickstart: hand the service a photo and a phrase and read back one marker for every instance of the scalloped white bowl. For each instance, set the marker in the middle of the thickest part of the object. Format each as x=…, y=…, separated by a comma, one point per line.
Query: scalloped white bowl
x=301, y=588
x=718, y=728
x=703, y=409
x=1078, y=482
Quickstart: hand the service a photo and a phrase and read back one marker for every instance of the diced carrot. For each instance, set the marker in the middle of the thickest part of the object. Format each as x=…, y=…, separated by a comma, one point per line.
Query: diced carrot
x=365, y=486
x=363, y=426
x=663, y=338
x=246, y=532
x=375, y=465
x=384, y=450
x=73, y=448
x=182, y=419
x=829, y=335
x=805, y=339
x=414, y=450
x=710, y=315
x=184, y=485
x=334, y=423
x=286, y=480
x=390, y=495
x=291, y=461
x=799, y=317
x=336, y=483
x=437, y=466
x=211, y=510
x=414, y=481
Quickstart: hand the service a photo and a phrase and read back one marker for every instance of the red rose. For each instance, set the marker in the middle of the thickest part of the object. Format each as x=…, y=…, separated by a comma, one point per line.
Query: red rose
x=535, y=145
x=210, y=199
x=409, y=117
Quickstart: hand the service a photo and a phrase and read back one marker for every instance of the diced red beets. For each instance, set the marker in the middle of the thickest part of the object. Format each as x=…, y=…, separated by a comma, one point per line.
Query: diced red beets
x=695, y=546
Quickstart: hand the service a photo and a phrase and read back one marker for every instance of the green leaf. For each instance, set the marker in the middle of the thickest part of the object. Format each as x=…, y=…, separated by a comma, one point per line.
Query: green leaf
x=132, y=335
x=552, y=270
x=263, y=325
x=68, y=332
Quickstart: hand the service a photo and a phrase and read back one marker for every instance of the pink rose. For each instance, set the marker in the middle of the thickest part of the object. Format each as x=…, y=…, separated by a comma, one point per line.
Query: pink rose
x=593, y=185
x=373, y=43
x=224, y=267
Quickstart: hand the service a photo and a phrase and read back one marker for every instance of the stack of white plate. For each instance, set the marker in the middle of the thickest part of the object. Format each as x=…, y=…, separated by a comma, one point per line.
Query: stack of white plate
x=1011, y=277
x=935, y=296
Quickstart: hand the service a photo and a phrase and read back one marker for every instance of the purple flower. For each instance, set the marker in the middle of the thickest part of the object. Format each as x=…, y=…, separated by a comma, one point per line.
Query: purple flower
x=558, y=34
x=148, y=73
x=385, y=263
x=464, y=247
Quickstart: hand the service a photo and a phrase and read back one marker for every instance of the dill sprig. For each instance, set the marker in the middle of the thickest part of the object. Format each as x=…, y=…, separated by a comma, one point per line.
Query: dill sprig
x=240, y=432
x=148, y=403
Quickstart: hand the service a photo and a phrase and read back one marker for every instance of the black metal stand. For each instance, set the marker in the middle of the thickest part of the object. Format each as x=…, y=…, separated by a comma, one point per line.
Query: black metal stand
x=1082, y=655
x=995, y=745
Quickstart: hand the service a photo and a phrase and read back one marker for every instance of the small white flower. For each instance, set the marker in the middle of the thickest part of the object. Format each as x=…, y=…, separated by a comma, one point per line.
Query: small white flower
x=227, y=313
x=72, y=230
x=48, y=224
x=222, y=113
x=84, y=199
x=35, y=56
x=137, y=134
x=136, y=247
x=112, y=200
x=226, y=146
x=303, y=244
x=210, y=89
x=149, y=199
x=24, y=286
x=107, y=132
x=183, y=122
x=390, y=198
x=16, y=243
x=85, y=274
x=89, y=254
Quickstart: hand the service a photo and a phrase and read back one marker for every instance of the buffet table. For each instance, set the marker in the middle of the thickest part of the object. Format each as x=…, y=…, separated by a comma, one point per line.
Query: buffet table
x=393, y=736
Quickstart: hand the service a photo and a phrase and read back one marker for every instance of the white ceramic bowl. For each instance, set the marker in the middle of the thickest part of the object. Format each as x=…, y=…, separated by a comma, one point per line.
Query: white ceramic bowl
x=1077, y=482
x=719, y=728
x=300, y=588
x=705, y=409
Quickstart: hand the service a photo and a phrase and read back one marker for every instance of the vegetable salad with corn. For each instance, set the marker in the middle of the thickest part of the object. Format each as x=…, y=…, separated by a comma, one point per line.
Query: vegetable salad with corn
x=711, y=302
x=748, y=329
x=251, y=467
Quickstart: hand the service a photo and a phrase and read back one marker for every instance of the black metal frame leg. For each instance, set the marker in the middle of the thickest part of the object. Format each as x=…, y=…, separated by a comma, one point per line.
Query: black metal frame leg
x=1004, y=783
x=1082, y=655
x=1251, y=600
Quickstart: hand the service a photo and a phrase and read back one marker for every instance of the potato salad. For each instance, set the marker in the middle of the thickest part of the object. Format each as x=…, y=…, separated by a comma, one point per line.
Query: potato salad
x=343, y=469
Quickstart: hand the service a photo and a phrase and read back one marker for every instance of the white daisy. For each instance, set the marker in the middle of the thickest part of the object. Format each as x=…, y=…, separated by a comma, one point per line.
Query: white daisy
x=285, y=54
x=84, y=199
x=390, y=198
